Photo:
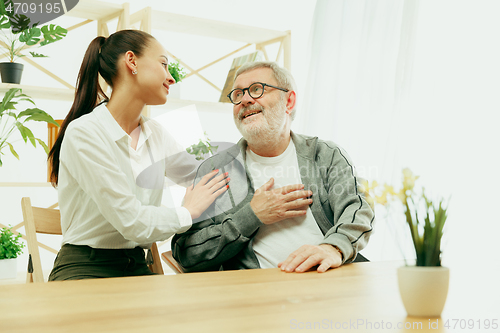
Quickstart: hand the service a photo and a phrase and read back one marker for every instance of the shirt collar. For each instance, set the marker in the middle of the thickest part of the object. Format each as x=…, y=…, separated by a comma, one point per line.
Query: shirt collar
x=109, y=123
x=113, y=128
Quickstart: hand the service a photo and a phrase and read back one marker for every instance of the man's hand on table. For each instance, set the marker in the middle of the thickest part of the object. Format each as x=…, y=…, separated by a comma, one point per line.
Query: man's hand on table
x=307, y=256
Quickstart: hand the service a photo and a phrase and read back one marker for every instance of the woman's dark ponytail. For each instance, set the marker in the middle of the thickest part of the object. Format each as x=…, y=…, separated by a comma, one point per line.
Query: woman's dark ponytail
x=86, y=97
x=100, y=58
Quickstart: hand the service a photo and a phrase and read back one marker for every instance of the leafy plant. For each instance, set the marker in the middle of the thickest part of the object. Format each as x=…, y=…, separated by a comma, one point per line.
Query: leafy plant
x=19, y=36
x=424, y=217
x=10, y=247
x=202, y=148
x=177, y=71
x=10, y=121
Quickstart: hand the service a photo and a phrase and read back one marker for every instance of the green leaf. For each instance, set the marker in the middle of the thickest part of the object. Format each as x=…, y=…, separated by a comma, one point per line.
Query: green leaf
x=20, y=23
x=38, y=55
x=11, y=114
x=26, y=99
x=26, y=133
x=22, y=130
x=52, y=33
x=36, y=114
x=44, y=145
x=10, y=246
x=4, y=22
x=9, y=95
x=30, y=36
x=9, y=106
x=177, y=71
x=12, y=150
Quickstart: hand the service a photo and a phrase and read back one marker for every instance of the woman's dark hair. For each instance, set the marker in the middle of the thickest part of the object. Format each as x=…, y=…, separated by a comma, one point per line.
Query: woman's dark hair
x=101, y=57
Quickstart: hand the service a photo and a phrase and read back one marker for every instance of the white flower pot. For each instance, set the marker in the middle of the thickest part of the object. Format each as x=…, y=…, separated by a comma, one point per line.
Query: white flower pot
x=423, y=289
x=8, y=268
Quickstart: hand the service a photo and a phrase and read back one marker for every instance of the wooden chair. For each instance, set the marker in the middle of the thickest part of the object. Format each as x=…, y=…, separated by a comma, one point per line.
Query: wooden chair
x=48, y=221
x=38, y=220
x=172, y=263
x=53, y=132
x=154, y=265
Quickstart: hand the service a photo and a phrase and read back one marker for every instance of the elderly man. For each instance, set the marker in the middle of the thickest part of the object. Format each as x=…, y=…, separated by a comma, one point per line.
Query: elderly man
x=307, y=210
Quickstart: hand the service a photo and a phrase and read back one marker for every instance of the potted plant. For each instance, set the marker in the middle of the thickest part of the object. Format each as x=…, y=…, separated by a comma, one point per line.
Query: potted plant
x=10, y=121
x=423, y=286
x=10, y=248
x=15, y=38
x=178, y=73
x=202, y=149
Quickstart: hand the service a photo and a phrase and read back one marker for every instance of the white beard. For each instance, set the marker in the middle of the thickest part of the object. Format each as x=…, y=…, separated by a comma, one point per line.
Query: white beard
x=267, y=129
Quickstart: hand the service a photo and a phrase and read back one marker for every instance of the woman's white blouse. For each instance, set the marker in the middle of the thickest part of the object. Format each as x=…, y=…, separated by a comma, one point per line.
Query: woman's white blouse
x=110, y=194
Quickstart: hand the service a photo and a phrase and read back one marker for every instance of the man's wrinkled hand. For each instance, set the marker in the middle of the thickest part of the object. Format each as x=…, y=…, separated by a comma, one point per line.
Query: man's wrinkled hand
x=308, y=256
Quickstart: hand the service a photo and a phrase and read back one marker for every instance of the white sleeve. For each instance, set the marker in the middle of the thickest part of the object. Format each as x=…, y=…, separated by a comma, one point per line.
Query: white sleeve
x=98, y=173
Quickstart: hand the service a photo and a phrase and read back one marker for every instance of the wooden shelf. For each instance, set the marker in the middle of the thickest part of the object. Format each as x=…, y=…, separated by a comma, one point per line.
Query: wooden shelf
x=95, y=10
x=210, y=28
x=25, y=184
x=61, y=94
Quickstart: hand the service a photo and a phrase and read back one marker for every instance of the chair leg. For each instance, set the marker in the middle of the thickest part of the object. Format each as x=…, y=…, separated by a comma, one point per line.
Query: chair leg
x=29, y=275
x=155, y=264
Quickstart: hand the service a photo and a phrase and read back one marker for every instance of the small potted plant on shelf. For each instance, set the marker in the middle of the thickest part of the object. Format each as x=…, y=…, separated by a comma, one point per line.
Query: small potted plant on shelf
x=10, y=248
x=423, y=286
x=17, y=37
x=178, y=73
x=10, y=121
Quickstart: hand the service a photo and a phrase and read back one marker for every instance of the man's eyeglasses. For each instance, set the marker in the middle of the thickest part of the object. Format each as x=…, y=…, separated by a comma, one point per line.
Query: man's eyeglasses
x=255, y=90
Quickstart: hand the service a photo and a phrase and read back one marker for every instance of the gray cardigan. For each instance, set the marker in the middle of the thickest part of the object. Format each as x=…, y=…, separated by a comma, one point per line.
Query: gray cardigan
x=222, y=237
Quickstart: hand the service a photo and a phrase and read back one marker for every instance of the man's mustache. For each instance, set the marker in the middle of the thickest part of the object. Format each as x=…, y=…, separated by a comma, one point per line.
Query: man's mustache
x=253, y=107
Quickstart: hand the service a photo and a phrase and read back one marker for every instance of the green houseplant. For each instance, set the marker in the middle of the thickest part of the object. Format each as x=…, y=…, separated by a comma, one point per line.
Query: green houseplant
x=423, y=287
x=15, y=38
x=178, y=73
x=12, y=120
x=10, y=248
x=201, y=149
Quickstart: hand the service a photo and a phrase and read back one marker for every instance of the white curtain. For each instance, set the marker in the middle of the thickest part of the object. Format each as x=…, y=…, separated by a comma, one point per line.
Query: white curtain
x=414, y=84
x=359, y=71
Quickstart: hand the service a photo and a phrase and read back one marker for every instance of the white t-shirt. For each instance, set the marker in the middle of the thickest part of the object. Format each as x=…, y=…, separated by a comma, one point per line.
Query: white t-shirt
x=275, y=242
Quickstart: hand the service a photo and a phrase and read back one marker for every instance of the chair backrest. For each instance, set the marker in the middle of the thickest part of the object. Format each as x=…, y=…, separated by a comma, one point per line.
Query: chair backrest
x=155, y=266
x=48, y=221
x=38, y=220
x=172, y=263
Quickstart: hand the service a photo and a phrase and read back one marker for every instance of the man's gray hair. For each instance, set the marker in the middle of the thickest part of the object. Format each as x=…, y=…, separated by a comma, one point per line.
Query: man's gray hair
x=283, y=77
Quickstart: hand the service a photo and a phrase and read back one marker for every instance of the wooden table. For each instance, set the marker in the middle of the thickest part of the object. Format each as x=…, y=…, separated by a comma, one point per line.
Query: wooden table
x=359, y=297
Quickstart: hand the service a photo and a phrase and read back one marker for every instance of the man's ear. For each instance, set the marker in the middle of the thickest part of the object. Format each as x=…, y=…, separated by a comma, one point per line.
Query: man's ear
x=130, y=61
x=290, y=102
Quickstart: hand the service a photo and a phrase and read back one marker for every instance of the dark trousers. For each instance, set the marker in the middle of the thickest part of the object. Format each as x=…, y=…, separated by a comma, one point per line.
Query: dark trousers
x=76, y=262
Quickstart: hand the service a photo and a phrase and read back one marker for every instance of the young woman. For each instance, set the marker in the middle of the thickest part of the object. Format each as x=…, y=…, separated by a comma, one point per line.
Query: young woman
x=109, y=163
